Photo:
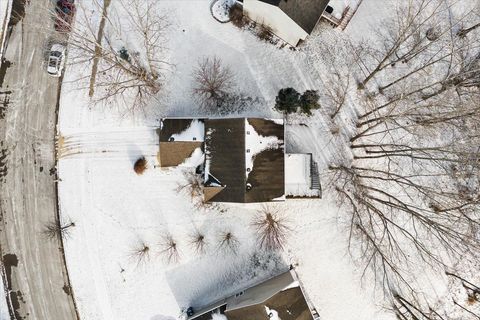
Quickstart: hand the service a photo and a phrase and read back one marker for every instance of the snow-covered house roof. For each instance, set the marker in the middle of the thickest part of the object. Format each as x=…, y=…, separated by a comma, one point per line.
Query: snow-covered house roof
x=280, y=297
x=305, y=13
x=244, y=160
x=300, y=180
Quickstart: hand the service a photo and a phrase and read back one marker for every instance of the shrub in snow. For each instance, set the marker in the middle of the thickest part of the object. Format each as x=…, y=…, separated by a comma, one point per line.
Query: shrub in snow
x=228, y=242
x=198, y=242
x=140, y=253
x=264, y=32
x=271, y=228
x=169, y=249
x=287, y=100
x=53, y=230
x=237, y=17
x=140, y=165
x=309, y=101
x=193, y=184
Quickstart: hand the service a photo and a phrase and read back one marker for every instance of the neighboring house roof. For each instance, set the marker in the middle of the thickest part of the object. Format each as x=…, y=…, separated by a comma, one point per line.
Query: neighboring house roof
x=281, y=294
x=305, y=13
x=246, y=157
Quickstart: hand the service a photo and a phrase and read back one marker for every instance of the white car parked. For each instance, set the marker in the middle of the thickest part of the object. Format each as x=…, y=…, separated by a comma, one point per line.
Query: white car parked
x=56, y=60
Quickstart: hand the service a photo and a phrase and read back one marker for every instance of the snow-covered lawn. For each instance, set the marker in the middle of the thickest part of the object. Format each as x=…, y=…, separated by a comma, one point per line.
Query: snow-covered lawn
x=116, y=210
x=5, y=8
x=3, y=303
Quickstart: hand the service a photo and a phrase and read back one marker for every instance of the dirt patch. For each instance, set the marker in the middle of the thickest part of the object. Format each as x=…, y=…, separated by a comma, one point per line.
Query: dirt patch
x=18, y=11
x=4, y=102
x=3, y=162
x=3, y=70
x=66, y=288
x=10, y=260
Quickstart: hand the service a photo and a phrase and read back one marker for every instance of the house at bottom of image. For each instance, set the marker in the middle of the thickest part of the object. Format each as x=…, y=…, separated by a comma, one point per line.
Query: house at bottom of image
x=241, y=160
x=280, y=297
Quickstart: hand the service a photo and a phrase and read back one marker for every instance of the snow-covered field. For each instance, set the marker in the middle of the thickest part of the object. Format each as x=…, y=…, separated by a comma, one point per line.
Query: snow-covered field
x=116, y=210
x=5, y=7
x=3, y=303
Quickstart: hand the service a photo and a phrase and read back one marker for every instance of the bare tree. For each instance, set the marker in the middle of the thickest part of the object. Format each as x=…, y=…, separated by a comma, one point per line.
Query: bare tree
x=122, y=74
x=410, y=180
x=336, y=90
x=56, y=230
x=228, y=242
x=473, y=290
x=213, y=82
x=406, y=309
x=271, y=228
x=193, y=185
x=169, y=249
x=140, y=253
x=198, y=242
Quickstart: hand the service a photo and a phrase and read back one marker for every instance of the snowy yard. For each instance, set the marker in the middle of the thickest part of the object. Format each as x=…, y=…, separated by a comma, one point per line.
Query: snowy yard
x=115, y=210
x=5, y=8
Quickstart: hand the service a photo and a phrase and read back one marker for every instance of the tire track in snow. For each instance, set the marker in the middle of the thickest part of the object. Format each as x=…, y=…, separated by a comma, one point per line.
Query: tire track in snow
x=130, y=142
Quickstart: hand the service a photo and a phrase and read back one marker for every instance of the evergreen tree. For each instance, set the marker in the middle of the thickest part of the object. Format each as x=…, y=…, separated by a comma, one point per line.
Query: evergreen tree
x=309, y=101
x=287, y=100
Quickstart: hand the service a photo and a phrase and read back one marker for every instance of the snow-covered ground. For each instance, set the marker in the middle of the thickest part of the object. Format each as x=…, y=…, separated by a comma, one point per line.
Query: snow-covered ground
x=4, y=315
x=5, y=8
x=116, y=210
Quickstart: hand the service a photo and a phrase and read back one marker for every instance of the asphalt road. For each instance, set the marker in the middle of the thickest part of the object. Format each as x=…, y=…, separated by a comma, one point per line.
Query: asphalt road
x=33, y=265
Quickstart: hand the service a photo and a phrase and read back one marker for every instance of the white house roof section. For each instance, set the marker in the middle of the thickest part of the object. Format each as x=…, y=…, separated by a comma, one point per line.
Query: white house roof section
x=261, y=292
x=297, y=175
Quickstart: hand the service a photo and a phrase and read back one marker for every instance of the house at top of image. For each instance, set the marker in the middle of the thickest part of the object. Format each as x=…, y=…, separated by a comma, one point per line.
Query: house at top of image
x=241, y=160
x=293, y=20
x=280, y=297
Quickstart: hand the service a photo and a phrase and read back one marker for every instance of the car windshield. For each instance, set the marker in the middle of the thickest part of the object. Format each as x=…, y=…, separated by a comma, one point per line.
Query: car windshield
x=52, y=62
x=55, y=54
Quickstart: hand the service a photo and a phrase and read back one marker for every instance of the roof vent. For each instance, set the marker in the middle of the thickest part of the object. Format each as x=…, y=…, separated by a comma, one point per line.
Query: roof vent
x=249, y=186
x=171, y=139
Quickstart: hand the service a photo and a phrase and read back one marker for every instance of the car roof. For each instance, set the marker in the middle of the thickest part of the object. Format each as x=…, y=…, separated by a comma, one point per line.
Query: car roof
x=57, y=47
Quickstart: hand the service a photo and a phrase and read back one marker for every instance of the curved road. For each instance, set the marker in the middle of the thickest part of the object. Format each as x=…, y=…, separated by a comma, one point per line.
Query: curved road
x=33, y=265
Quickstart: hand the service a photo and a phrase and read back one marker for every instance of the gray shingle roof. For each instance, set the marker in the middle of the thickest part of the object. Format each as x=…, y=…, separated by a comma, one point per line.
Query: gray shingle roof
x=305, y=13
x=225, y=147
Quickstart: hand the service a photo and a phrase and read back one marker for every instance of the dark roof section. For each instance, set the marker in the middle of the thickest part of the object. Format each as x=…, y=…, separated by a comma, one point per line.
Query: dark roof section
x=267, y=177
x=172, y=126
x=305, y=13
x=225, y=147
x=290, y=305
x=272, y=2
